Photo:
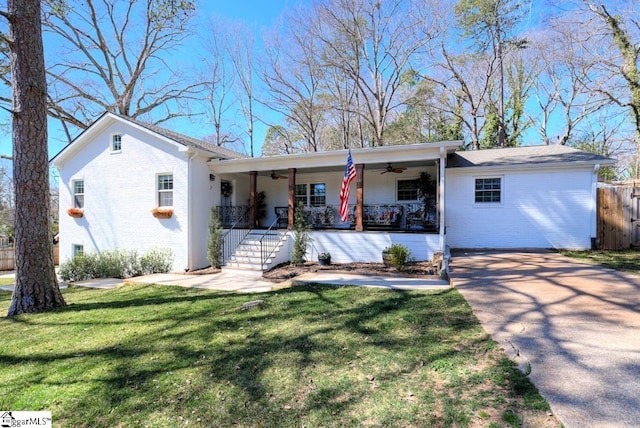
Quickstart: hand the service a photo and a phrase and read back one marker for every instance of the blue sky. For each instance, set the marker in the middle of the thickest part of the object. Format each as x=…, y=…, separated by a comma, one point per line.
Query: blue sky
x=256, y=14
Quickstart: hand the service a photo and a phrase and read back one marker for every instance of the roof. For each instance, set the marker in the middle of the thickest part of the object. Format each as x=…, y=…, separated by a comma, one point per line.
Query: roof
x=526, y=155
x=183, y=140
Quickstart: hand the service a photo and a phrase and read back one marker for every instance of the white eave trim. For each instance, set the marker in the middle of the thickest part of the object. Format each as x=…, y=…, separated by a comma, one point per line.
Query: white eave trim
x=402, y=153
x=529, y=166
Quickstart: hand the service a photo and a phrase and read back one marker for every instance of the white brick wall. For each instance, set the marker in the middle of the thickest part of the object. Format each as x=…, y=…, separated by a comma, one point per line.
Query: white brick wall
x=121, y=190
x=350, y=246
x=541, y=208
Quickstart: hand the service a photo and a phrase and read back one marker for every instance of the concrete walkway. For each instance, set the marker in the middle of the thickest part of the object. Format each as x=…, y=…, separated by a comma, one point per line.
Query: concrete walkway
x=242, y=283
x=576, y=324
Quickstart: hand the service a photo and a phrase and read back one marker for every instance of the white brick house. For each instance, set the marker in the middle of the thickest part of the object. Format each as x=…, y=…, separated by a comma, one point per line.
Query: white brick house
x=118, y=170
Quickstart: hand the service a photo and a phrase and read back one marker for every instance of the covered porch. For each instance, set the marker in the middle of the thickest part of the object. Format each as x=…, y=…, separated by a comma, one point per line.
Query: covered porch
x=397, y=190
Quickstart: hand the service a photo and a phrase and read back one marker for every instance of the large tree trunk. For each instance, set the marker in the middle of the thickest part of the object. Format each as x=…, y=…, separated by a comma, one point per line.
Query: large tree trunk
x=36, y=286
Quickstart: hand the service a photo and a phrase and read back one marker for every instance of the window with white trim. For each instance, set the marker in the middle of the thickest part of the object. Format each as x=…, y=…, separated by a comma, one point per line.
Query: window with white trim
x=78, y=193
x=116, y=143
x=314, y=194
x=488, y=190
x=77, y=250
x=407, y=190
x=317, y=194
x=165, y=190
x=301, y=194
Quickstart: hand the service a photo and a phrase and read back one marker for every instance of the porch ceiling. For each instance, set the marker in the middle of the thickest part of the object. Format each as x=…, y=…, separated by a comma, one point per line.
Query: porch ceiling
x=373, y=158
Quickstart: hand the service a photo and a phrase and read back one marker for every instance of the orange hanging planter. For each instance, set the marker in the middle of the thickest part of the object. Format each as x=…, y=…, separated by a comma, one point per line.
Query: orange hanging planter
x=162, y=212
x=75, y=212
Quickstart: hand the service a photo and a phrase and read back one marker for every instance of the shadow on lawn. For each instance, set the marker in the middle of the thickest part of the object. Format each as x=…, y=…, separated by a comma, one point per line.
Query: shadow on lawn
x=205, y=358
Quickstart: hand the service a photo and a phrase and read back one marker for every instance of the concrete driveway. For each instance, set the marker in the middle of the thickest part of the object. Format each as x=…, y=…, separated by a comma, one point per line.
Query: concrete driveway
x=577, y=325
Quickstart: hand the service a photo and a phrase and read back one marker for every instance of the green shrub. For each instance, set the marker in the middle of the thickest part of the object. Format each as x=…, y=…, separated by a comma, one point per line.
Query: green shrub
x=216, y=240
x=399, y=256
x=116, y=264
x=300, y=236
x=158, y=260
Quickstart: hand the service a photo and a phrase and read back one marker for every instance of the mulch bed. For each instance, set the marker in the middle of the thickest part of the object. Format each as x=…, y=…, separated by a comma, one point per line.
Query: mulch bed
x=287, y=271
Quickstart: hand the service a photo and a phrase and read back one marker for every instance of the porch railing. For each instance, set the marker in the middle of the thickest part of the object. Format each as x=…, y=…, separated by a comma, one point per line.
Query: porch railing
x=233, y=236
x=237, y=215
x=393, y=216
x=269, y=242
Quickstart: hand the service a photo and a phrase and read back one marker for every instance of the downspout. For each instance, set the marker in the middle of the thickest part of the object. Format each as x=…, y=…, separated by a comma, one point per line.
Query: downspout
x=190, y=156
x=594, y=207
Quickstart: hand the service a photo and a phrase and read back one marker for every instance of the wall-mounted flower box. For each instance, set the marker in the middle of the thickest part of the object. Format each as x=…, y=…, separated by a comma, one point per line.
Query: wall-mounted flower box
x=75, y=212
x=162, y=212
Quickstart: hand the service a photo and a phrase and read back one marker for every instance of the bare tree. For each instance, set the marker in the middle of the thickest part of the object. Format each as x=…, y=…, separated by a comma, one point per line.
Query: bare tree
x=463, y=82
x=294, y=78
x=112, y=55
x=490, y=22
x=220, y=95
x=617, y=24
x=36, y=287
x=563, y=100
x=242, y=56
x=372, y=43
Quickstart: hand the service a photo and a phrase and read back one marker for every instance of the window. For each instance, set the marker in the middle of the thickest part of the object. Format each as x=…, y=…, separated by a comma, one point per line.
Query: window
x=116, y=142
x=318, y=194
x=165, y=190
x=488, y=190
x=301, y=194
x=77, y=250
x=407, y=190
x=315, y=197
x=78, y=194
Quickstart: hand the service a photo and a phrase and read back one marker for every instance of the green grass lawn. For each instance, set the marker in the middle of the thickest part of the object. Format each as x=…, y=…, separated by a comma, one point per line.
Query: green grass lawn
x=313, y=356
x=628, y=260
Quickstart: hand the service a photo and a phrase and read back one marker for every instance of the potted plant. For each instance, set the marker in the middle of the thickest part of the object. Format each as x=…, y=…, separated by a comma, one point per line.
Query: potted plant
x=386, y=257
x=162, y=212
x=75, y=212
x=324, y=259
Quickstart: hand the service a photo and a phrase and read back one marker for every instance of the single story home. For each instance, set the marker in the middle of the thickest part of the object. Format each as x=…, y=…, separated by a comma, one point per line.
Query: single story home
x=129, y=185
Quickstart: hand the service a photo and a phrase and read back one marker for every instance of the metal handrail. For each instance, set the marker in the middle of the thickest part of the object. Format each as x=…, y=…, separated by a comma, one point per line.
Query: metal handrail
x=233, y=237
x=272, y=243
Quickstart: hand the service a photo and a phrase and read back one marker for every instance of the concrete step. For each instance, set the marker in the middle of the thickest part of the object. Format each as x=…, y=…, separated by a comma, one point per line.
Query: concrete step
x=233, y=270
x=253, y=253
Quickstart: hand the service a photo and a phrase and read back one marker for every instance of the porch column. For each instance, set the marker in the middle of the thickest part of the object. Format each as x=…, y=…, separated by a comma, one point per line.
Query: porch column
x=292, y=198
x=359, y=196
x=253, y=184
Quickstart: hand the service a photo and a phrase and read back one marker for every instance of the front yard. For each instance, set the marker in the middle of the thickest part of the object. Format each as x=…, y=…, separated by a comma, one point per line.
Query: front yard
x=312, y=356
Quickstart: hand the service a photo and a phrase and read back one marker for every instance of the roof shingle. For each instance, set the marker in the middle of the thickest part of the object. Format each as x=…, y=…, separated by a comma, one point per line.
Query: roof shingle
x=530, y=155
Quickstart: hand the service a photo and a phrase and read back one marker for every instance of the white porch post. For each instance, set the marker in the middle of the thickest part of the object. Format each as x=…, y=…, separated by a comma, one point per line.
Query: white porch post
x=441, y=197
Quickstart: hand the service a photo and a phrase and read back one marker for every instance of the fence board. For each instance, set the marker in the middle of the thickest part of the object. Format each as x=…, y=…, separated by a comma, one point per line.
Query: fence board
x=8, y=258
x=617, y=208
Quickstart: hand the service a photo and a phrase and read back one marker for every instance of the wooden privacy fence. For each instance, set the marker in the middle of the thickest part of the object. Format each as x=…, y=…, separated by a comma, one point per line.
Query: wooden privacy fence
x=618, y=213
x=8, y=258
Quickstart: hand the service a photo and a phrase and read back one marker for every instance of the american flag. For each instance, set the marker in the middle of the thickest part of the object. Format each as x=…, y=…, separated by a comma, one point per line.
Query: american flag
x=349, y=175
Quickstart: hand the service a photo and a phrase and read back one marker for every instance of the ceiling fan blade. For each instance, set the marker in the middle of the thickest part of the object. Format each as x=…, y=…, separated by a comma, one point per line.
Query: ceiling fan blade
x=275, y=176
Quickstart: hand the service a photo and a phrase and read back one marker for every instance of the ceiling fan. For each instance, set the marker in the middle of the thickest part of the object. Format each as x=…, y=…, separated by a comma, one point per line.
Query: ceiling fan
x=392, y=169
x=275, y=176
